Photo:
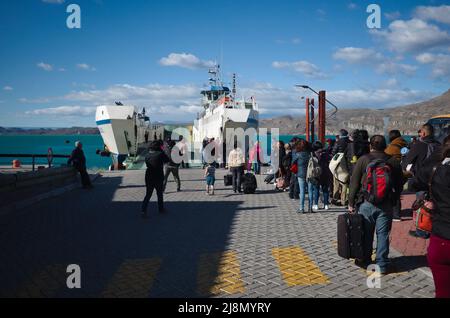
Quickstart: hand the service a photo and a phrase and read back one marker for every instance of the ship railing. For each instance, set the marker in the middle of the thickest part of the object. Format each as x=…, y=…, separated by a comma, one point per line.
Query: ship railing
x=34, y=157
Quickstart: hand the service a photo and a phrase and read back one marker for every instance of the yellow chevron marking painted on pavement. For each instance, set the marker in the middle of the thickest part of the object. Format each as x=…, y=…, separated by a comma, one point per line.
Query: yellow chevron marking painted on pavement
x=45, y=283
x=297, y=268
x=219, y=274
x=133, y=279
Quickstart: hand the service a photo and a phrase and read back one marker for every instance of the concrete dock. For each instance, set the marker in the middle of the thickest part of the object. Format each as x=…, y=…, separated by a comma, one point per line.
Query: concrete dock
x=225, y=245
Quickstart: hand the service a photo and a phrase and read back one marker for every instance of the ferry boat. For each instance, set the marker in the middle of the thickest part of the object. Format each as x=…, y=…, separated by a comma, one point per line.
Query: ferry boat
x=126, y=133
x=222, y=110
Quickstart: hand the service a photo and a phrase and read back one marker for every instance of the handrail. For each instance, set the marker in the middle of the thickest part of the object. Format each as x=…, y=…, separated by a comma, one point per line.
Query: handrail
x=33, y=157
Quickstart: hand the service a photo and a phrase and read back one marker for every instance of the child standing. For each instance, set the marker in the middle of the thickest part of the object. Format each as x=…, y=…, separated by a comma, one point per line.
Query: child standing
x=210, y=174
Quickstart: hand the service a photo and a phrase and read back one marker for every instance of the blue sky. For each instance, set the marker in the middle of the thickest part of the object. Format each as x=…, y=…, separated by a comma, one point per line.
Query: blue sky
x=155, y=54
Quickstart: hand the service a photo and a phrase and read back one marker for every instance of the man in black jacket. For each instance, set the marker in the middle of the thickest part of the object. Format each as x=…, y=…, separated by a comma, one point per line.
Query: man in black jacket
x=341, y=144
x=78, y=161
x=376, y=217
x=421, y=150
x=154, y=176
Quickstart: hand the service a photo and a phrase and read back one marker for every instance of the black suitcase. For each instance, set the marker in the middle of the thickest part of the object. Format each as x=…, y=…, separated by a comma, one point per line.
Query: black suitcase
x=350, y=236
x=249, y=184
x=228, y=180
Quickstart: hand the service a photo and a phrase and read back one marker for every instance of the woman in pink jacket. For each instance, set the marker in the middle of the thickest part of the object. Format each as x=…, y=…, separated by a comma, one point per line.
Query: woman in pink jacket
x=256, y=157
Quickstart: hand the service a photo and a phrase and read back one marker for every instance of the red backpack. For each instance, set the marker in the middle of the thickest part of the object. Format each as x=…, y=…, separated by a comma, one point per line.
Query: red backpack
x=377, y=185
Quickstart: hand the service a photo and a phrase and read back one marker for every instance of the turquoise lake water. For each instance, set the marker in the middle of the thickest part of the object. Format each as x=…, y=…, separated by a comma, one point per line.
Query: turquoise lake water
x=40, y=144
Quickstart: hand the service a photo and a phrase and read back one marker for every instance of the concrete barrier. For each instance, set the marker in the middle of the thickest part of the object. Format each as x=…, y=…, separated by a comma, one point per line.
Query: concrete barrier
x=46, y=178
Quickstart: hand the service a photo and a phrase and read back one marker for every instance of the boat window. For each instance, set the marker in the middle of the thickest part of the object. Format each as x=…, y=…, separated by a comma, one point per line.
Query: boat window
x=441, y=128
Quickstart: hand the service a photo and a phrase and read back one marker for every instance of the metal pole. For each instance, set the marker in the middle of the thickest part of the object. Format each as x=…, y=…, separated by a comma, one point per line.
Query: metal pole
x=307, y=120
x=312, y=118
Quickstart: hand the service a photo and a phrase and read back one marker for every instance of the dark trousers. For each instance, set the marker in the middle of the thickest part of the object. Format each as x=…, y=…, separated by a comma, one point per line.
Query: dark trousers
x=294, y=189
x=151, y=186
x=439, y=262
x=85, y=180
x=172, y=170
x=236, y=172
x=397, y=208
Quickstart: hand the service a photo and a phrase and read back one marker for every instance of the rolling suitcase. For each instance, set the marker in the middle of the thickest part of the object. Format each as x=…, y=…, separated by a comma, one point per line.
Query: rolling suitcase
x=351, y=236
x=228, y=180
x=249, y=184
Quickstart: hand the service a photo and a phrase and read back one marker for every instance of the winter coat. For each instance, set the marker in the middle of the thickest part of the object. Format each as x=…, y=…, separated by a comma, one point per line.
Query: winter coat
x=324, y=158
x=395, y=148
x=341, y=145
x=302, y=160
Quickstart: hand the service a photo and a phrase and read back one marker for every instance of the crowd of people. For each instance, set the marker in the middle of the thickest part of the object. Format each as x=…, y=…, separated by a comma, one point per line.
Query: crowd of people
x=367, y=175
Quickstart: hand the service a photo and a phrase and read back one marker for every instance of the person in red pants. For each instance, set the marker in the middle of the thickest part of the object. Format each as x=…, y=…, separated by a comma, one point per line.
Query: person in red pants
x=439, y=249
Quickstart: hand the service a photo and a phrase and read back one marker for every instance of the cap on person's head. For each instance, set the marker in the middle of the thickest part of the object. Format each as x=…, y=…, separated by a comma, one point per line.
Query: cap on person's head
x=78, y=143
x=343, y=133
x=317, y=145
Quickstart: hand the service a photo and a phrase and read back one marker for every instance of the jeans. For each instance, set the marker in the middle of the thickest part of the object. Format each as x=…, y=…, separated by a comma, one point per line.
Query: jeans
x=237, y=174
x=302, y=185
x=325, y=191
x=376, y=219
x=257, y=167
x=172, y=170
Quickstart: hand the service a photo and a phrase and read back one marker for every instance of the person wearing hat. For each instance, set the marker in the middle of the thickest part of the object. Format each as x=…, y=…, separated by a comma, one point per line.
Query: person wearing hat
x=154, y=176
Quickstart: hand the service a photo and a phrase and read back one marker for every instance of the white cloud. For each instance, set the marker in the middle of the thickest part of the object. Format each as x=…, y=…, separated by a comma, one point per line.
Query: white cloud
x=352, y=6
x=392, y=15
x=413, y=36
x=63, y=111
x=86, y=67
x=392, y=68
x=61, y=69
x=355, y=55
x=46, y=67
x=440, y=64
x=375, y=98
x=382, y=64
x=304, y=67
x=8, y=88
x=185, y=60
x=296, y=41
x=438, y=14
x=54, y=1
x=34, y=101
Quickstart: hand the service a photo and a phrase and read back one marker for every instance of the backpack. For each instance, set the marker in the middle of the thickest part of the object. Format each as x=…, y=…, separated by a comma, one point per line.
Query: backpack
x=377, y=185
x=314, y=170
x=338, y=170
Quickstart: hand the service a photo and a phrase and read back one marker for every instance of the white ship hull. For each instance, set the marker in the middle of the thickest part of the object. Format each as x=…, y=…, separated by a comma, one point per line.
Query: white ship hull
x=123, y=131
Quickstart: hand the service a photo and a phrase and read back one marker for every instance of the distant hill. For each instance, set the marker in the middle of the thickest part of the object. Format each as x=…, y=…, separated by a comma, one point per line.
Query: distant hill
x=49, y=131
x=407, y=119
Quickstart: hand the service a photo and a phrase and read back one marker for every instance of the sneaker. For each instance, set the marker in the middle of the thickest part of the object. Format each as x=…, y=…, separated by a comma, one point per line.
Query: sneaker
x=302, y=211
x=397, y=219
x=315, y=208
x=326, y=208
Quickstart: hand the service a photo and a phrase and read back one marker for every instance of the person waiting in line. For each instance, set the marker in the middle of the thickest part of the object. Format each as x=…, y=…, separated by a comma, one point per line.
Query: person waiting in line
x=210, y=176
x=236, y=162
x=294, y=191
x=324, y=182
x=340, y=189
x=301, y=158
x=256, y=158
x=154, y=176
x=78, y=161
x=377, y=213
x=439, y=248
x=422, y=155
x=172, y=167
x=394, y=149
